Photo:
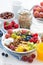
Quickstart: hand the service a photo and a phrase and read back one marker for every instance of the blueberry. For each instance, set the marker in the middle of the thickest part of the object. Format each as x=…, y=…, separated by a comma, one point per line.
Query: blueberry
x=1, y=33
x=29, y=37
x=3, y=54
x=26, y=39
x=6, y=55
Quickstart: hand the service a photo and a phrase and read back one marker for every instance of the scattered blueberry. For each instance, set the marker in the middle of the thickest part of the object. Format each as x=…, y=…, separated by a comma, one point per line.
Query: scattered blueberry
x=3, y=54
x=1, y=33
x=6, y=55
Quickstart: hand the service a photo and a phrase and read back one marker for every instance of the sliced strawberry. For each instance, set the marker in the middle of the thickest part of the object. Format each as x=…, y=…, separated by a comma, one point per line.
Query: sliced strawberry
x=16, y=25
x=7, y=36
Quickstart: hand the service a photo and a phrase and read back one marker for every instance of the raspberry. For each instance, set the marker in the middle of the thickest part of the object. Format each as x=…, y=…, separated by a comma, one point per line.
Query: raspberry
x=35, y=35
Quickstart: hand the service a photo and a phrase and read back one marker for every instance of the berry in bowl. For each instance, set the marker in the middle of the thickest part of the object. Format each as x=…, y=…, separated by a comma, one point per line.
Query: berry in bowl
x=10, y=25
x=38, y=11
x=21, y=41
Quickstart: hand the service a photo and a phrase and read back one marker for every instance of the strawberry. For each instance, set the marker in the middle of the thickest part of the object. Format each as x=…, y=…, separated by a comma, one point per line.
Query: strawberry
x=12, y=23
x=16, y=25
x=9, y=26
x=6, y=27
x=7, y=36
x=5, y=23
x=10, y=31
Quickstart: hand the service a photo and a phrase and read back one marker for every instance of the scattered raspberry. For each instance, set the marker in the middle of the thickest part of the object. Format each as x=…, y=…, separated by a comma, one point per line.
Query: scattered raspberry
x=33, y=56
x=24, y=58
x=30, y=59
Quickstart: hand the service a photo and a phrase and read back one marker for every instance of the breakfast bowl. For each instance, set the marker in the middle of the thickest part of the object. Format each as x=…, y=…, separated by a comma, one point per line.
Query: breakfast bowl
x=20, y=41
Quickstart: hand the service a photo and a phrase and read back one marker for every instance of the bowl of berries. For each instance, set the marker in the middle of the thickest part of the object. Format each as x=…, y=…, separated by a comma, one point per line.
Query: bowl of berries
x=10, y=25
x=38, y=12
x=20, y=41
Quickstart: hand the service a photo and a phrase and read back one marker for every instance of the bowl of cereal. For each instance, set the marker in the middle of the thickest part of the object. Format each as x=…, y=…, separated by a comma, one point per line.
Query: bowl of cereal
x=20, y=41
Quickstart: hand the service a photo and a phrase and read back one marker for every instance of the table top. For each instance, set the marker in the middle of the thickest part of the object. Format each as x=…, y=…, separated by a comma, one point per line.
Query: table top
x=7, y=6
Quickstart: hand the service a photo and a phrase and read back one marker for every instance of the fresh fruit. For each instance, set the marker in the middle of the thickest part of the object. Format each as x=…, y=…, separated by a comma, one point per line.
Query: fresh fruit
x=7, y=26
x=38, y=11
x=13, y=35
x=33, y=55
x=5, y=23
x=23, y=31
x=24, y=58
x=3, y=54
x=36, y=14
x=7, y=36
x=41, y=3
x=41, y=15
x=10, y=31
x=6, y=55
x=42, y=9
x=1, y=33
x=30, y=59
x=12, y=23
x=35, y=35
x=16, y=25
x=11, y=47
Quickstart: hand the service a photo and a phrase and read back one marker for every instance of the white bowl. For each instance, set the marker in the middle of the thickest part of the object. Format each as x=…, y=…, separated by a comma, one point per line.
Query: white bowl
x=3, y=37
